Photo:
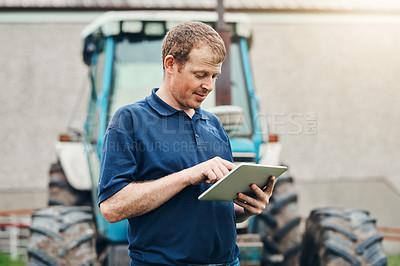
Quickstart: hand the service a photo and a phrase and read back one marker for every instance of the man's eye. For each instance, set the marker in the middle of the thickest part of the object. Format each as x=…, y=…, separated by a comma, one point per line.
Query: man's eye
x=201, y=76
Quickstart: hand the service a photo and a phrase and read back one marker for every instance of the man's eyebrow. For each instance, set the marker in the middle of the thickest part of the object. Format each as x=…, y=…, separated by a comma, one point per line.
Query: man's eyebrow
x=207, y=73
x=198, y=71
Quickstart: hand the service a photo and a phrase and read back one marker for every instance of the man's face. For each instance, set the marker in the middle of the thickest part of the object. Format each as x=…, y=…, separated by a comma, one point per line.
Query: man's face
x=193, y=81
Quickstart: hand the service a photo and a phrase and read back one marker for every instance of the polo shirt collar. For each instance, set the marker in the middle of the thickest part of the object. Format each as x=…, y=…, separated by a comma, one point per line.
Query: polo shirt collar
x=159, y=105
x=165, y=109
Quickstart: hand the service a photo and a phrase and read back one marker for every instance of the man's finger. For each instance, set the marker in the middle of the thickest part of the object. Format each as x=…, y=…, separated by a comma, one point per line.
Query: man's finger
x=260, y=194
x=247, y=207
x=270, y=186
x=218, y=173
x=224, y=170
x=227, y=164
x=210, y=177
x=258, y=202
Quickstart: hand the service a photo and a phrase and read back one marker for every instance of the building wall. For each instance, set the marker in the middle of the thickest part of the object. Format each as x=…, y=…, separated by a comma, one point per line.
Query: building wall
x=330, y=90
x=41, y=77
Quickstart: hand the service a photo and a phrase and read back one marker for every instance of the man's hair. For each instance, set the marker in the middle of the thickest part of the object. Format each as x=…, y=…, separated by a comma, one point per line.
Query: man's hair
x=180, y=40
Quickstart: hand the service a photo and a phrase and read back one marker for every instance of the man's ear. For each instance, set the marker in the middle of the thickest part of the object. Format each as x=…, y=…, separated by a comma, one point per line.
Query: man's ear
x=169, y=63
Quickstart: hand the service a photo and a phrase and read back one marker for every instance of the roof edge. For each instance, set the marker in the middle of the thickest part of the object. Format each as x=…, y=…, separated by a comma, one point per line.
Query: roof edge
x=294, y=9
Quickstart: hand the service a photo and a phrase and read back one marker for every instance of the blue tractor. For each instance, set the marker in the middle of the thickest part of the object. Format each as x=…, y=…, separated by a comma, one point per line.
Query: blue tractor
x=123, y=53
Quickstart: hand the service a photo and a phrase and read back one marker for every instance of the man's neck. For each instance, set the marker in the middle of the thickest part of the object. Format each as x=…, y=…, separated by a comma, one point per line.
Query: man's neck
x=164, y=95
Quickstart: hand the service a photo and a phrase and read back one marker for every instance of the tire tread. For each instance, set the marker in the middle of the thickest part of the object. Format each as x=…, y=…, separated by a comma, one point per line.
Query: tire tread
x=62, y=235
x=334, y=234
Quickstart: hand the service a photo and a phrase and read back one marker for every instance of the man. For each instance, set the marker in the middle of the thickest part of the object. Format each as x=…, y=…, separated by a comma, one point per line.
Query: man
x=161, y=153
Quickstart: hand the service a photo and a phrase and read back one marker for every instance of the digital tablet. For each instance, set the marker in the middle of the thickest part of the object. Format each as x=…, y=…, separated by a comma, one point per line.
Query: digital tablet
x=239, y=179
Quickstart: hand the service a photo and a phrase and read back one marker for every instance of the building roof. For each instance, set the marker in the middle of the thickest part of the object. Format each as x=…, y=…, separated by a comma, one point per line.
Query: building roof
x=230, y=5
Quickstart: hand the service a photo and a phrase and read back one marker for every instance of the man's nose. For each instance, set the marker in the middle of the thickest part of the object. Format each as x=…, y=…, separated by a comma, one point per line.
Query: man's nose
x=208, y=84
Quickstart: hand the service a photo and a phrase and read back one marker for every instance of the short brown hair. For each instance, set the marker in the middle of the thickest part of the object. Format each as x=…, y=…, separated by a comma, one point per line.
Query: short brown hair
x=180, y=40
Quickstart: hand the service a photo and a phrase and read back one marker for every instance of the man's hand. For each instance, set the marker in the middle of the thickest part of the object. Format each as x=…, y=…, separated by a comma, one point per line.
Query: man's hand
x=209, y=171
x=254, y=205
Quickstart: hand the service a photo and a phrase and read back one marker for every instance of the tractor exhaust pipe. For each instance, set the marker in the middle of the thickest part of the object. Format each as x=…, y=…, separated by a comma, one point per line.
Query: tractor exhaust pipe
x=223, y=84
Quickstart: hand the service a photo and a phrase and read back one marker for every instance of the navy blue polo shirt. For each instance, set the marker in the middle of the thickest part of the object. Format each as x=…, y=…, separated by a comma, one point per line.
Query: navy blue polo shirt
x=148, y=140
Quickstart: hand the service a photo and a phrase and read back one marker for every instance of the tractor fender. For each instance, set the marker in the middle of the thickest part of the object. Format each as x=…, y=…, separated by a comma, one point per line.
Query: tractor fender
x=74, y=162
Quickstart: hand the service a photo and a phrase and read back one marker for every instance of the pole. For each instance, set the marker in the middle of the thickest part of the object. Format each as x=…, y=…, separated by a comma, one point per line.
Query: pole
x=223, y=84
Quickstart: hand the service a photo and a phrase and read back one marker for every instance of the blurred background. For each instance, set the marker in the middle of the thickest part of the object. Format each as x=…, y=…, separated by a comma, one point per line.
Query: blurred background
x=326, y=73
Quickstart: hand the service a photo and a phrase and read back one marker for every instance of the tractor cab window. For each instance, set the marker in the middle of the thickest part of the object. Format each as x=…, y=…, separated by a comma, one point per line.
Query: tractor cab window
x=240, y=96
x=97, y=74
x=137, y=70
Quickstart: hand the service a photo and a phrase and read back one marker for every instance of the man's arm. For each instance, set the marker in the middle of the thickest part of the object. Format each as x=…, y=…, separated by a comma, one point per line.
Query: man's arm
x=246, y=206
x=138, y=198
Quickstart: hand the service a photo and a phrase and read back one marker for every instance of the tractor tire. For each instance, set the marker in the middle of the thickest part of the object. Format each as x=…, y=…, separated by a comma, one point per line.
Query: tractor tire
x=62, y=193
x=279, y=225
x=336, y=236
x=62, y=235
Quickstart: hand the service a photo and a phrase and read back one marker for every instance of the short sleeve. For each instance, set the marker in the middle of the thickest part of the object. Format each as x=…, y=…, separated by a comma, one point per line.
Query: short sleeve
x=118, y=164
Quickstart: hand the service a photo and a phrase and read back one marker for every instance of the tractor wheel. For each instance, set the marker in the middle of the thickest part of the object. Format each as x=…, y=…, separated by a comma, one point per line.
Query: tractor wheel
x=62, y=235
x=62, y=193
x=279, y=225
x=336, y=236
